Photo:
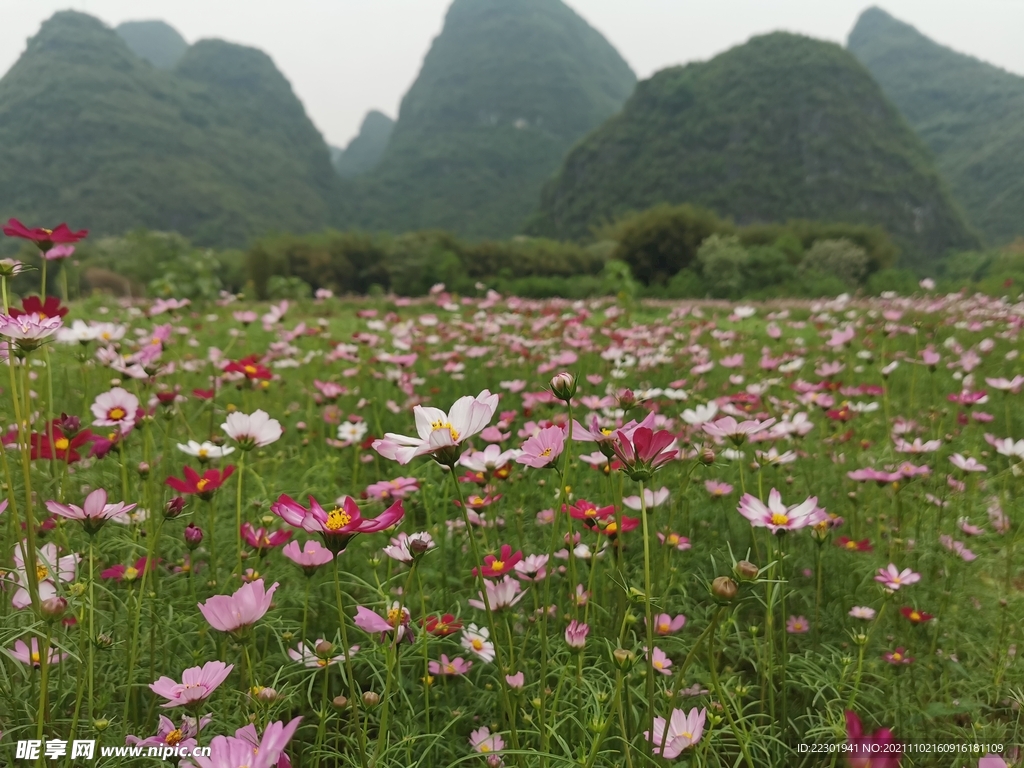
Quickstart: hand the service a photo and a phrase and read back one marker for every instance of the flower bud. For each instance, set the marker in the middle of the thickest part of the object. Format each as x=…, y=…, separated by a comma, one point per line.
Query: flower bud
x=104, y=641
x=626, y=399
x=143, y=469
x=267, y=695
x=193, y=536
x=745, y=569
x=69, y=425
x=623, y=658
x=174, y=507
x=53, y=607
x=371, y=699
x=707, y=456
x=101, y=724
x=323, y=648
x=563, y=386
x=724, y=589
x=339, y=702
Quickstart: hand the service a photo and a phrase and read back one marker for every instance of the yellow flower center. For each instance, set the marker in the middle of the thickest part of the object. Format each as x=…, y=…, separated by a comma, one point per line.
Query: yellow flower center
x=131, y=573
x=612, y=527
x=546, y=452
x=202, y=484
x=449, y=669
x=116, y=414
x=664, y=626
x=174, y=737
x=47, y=231
x=41, y=572
x=394, y=617
x=203, y=453
x=779, y=519
x=851, y=545
x=485, y=748
x=498, y=565
x=659, y=665
x=250, y=370
x=337, y=518
x=897, y=656
x=477, y=643
x=321, y=662
x=686, y=735
x=439, y=425
x=673, y=538
x=34, y=656
x=61, y=443
x=915, y=616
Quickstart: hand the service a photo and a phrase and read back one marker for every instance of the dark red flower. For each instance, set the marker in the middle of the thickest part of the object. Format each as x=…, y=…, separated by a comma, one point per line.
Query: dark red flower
x=504, y=563
x=204, y=394
x=440, y=626
x=57, y=444
x=589, y=513
x=49, y=308
x=250, y=366
x=128, y=572
x=611, y=529
x=203, y=485
x=864, y=545
x=44, y=239
x=915, y=616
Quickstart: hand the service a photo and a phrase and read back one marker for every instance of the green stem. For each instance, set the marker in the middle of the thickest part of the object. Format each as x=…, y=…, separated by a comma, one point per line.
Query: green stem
x=648, y=611
x=353, y=691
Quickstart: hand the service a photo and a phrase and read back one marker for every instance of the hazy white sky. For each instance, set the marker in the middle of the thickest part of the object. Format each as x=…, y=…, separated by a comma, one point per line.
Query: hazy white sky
x=344, y=57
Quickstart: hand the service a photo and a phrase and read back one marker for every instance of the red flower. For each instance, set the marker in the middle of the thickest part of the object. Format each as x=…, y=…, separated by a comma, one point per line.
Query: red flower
x=440, y=626
x=645, y=452
x=203, y=485
x=57, y=445
x=840, y=414
x=589, y=513
x=864, y=545
x=127, y=572
x=204, y=394
x=876, y=750
x=504, y=563
x=250, y=366
x=915, y=616
x=49, y=308
x=44, y=239
x=611, y=529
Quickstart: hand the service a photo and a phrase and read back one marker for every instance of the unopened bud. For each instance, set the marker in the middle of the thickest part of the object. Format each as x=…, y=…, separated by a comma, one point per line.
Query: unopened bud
x=707, y=456
x=724, y=589
x=143, y=469
x=267, y=695
x=371, y=699
x=745, y=569
x=193, y=536
x=174, y=507
x=104, y=641
x=339, y=702
x=101, y=724
x=563, y=386
x=623, y=657
x=626, y=399
x=323, y=648
x=53, y=607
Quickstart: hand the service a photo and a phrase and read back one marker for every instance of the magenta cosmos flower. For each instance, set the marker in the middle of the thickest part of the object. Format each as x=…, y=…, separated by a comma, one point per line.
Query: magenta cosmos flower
x=93, y=513
x=893, y=578
x=170, y=735
x=543, y=449
x=438, y=433
x=644, y=452
x=236, y=613
x=681, y=732
x=727, y=428
x=777, y=516
x=197, y=683
x=875, y=750
x=338, y=525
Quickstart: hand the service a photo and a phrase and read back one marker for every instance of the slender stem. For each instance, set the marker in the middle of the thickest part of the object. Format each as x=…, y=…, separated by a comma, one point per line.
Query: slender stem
x=238, y=509
x=648, y=611
x=44, y=682
x=353, y=691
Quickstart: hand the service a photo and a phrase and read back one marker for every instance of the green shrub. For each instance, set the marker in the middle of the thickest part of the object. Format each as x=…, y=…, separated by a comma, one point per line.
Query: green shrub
x=841, y=258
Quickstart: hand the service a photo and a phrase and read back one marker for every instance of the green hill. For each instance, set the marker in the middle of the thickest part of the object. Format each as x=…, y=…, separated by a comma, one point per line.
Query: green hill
x=783, y=127
x=505, y=90
x=219, y=149
x=155, y=41
x=364, y=151
x=971, y=115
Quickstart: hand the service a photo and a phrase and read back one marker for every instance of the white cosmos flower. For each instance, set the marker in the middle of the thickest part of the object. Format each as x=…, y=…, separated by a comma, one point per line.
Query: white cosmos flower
x=437, y=430
x=352, y=433
x=205, y=450
x=700, y=414
x=252, y=431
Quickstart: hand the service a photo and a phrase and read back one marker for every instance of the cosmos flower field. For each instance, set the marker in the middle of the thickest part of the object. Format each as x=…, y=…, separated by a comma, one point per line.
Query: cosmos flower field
x=483, y=530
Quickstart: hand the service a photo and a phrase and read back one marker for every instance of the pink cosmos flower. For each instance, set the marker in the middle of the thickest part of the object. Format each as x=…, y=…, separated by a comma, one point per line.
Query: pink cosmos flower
x=262, y=539
x=449, y=667
x=306, y=655
x=49, y=570
x=405, y=547
x=967, y=464
x=681, y=732
x=717, y=489
x=516, y=681
x=576, y=635
x=30, y=329
x=644, y=452
x=255, y=430
x=371, y=621
x=893, y=578
x=874, y=475
x=543, y=449
x=674, y=540
x=797, y=625
x=532, y=568
x=992, y=761
x=116, y=408
x=236, y=613
x=727, y=428
x=777, y=516
x=898, y=657
x=439, y=432
x=338, y=525
x=197, y=683
x=170, y=735
x=243, y=750
x=1007, y=385
x=487, y=743
x=30, y=655
x=309, y=556
x=651, y=498
x=661, y=661
x=93, y=513
x=500, y=594
x=957, y=547
x=389, y=490
x=862, y=612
